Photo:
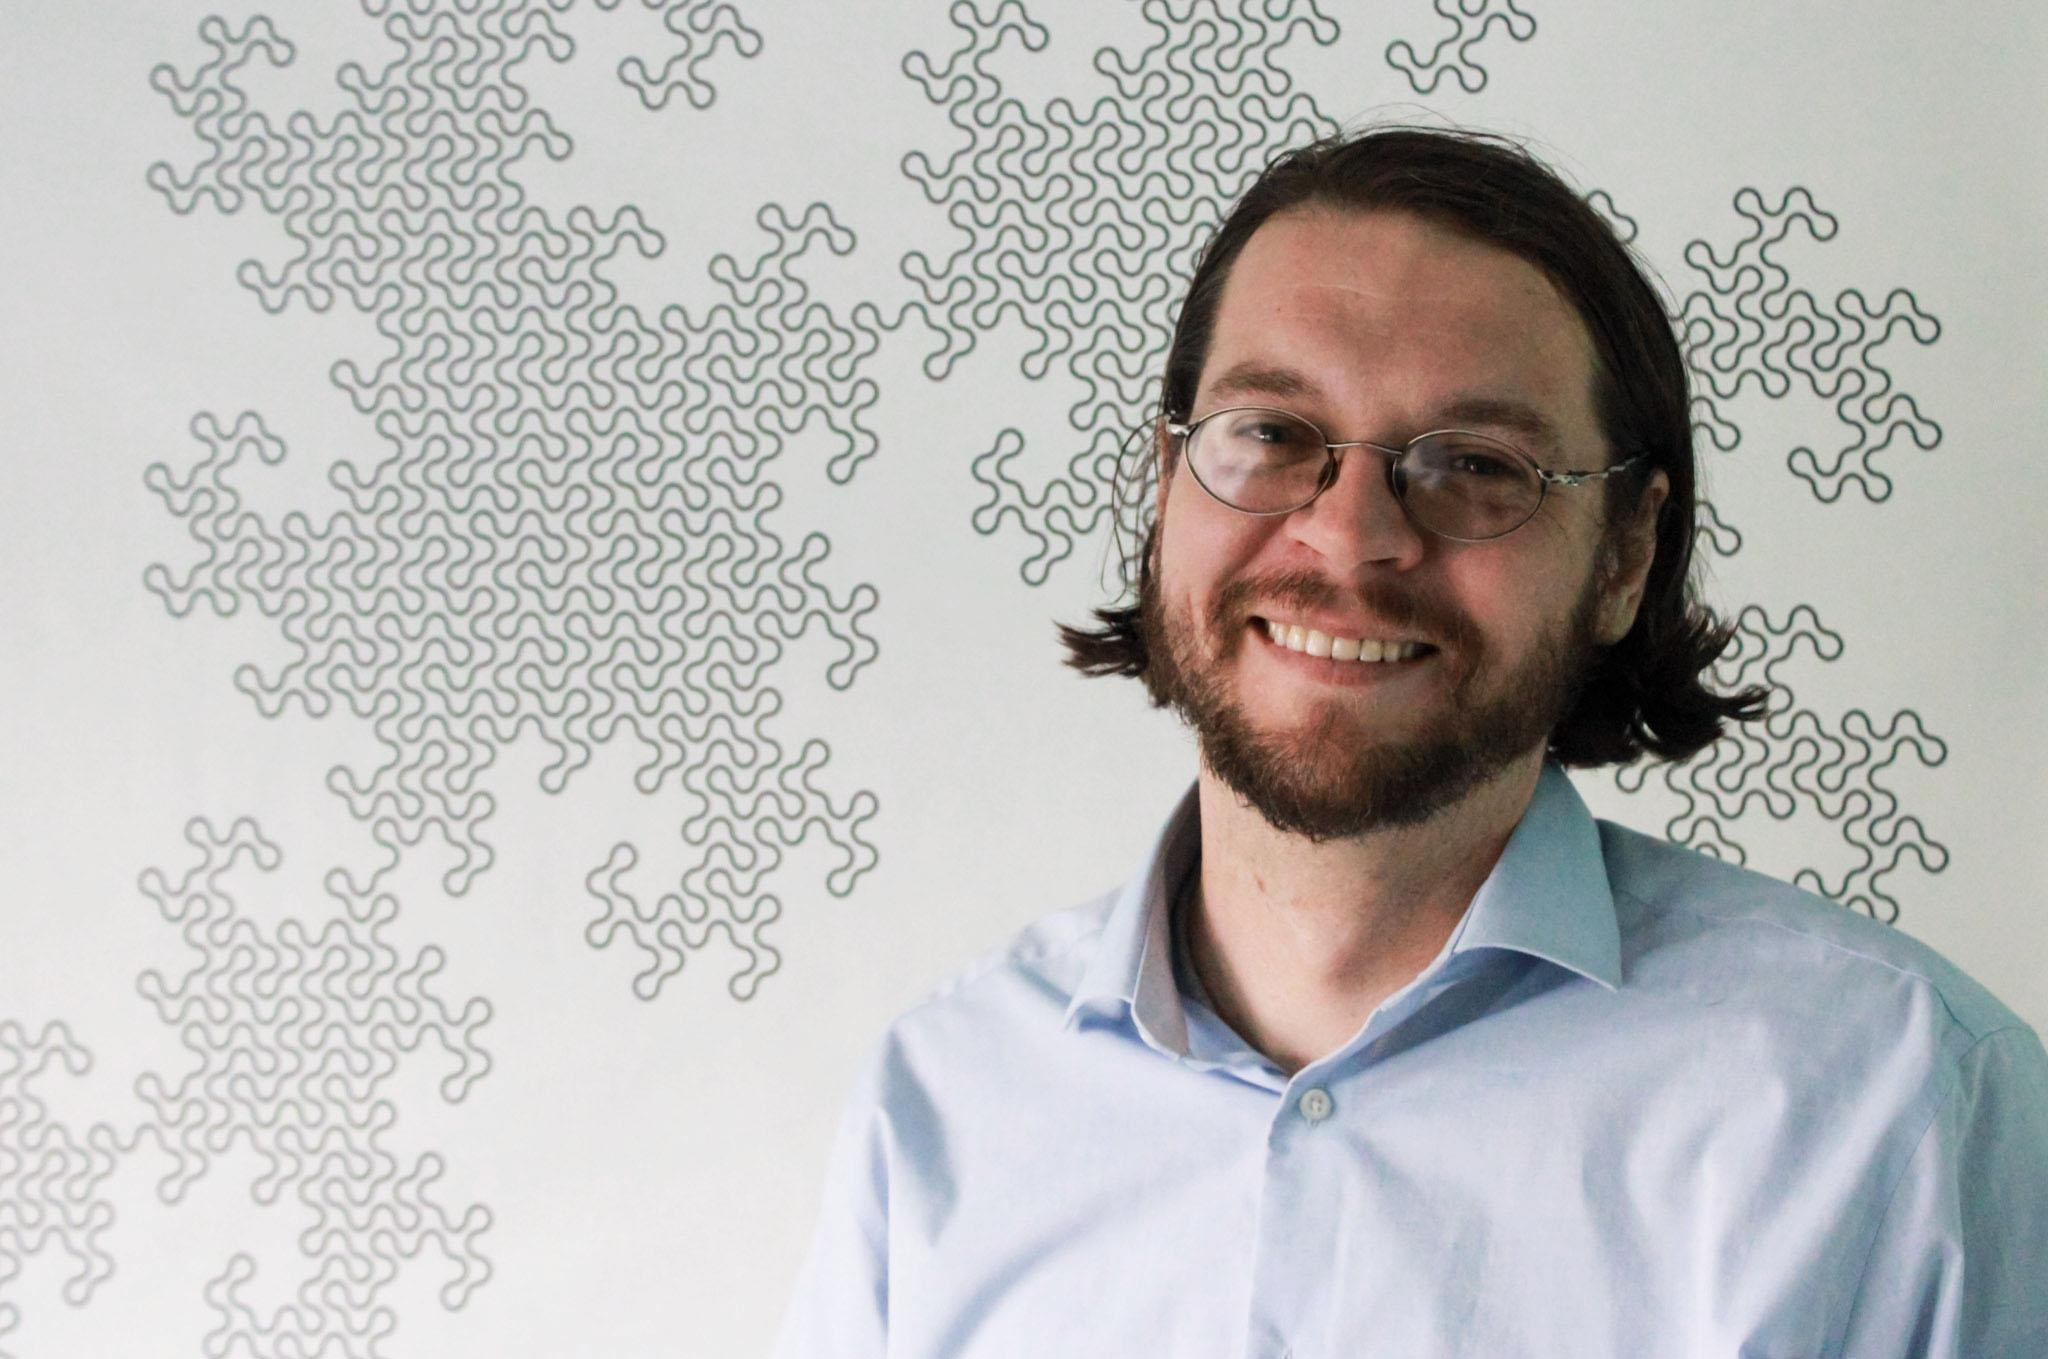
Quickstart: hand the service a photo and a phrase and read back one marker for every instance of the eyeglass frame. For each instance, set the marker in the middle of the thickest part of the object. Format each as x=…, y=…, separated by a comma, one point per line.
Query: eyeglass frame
x=1545, y=478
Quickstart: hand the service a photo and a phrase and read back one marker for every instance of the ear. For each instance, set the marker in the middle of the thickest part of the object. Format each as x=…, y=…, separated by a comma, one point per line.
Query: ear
x=1626, y=560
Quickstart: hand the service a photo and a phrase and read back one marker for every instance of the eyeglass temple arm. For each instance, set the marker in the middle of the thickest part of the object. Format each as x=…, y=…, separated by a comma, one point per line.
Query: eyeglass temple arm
x=1578, y=478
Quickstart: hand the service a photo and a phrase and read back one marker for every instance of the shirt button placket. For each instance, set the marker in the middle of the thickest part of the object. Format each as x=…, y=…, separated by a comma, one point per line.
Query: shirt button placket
x=1298, y=1227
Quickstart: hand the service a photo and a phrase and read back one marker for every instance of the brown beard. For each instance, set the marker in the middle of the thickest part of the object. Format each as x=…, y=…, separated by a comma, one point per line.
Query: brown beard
x=1317, y=782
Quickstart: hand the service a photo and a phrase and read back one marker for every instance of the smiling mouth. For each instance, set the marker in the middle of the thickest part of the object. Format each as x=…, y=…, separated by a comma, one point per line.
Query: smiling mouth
x=1359, y=650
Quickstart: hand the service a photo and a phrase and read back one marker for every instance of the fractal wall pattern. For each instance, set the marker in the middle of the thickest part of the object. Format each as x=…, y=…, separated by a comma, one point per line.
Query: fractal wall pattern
x=475, y=495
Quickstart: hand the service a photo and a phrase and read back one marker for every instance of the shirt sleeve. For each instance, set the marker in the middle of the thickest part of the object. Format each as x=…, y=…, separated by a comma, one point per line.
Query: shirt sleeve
x=1959, y=1269
x=839, y=1308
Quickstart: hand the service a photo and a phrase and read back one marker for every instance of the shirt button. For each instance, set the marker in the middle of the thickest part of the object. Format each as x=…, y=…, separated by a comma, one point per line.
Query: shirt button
x=1315, y=1104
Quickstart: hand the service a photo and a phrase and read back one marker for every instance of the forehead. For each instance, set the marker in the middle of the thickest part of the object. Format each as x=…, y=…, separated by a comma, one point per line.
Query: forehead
x=1406, y=309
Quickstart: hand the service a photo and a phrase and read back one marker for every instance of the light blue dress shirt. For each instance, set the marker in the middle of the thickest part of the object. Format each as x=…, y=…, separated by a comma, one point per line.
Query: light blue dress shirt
x=1643, y=1103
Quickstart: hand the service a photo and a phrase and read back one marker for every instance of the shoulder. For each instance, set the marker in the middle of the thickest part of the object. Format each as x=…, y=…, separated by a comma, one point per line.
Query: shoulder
x=1052, y=948
x=1803, y=948
x=1022, y=985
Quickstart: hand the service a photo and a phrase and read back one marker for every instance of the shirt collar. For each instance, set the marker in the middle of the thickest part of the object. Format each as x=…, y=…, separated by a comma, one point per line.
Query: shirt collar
x=1547, y=897
x=1132, y=967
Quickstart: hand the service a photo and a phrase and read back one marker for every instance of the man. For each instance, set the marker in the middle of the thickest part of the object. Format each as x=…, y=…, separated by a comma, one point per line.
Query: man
x=1389, y=1048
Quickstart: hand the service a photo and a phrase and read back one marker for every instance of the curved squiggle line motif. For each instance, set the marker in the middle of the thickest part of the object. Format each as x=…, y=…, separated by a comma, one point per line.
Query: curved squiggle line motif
x=1082, y=223
x=296, y=1035
x=568, y=531
x=1472, y=22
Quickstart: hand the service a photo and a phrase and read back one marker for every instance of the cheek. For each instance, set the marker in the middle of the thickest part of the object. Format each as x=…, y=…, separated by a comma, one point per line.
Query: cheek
x=1536, y=584
x=1542, y=613
x=1198, y=568
x=1194, y=550
x=1507, y=599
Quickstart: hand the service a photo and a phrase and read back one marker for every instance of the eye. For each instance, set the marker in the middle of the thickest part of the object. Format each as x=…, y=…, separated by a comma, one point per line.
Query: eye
x=1471, y=464
x=1471, y=459
x=1272, y=430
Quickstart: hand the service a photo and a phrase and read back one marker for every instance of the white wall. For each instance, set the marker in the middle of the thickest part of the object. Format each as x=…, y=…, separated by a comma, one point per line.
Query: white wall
x=518, y=658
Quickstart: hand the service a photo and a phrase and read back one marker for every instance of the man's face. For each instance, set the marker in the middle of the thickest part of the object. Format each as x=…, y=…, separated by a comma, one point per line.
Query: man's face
x=1383, y=326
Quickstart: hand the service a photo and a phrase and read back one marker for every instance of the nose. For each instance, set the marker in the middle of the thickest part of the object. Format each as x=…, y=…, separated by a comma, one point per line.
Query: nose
x=1358, y=520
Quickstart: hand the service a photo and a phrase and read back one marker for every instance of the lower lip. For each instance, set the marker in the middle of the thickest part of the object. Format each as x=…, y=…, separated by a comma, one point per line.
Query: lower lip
x=1351, y=674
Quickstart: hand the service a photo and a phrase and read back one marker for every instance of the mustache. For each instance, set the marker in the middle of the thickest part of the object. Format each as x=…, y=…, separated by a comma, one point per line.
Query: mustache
x=1403, y=609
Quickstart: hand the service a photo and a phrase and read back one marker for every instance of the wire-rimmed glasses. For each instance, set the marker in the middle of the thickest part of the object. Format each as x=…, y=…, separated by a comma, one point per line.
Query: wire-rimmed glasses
x=1457, y=484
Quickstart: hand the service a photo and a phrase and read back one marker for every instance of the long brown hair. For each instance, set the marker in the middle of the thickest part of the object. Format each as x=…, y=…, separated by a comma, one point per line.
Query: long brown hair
x=1646, y=692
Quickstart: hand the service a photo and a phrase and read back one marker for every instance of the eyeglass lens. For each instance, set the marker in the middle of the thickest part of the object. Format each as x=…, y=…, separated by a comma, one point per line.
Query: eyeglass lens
x=1456, y=484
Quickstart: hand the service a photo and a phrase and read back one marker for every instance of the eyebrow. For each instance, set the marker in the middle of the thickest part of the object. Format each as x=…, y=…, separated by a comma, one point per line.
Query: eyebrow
x=1491, y=412
x=1460, y=412
x=1258, y=379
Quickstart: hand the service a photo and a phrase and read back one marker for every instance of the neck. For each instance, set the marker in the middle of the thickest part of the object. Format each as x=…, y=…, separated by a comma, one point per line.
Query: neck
x=1297, y=943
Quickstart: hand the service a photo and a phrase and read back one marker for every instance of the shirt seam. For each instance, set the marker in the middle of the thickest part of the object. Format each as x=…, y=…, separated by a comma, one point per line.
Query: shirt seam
x=995, y=962
x=1722, y=920
x=1941, y=1106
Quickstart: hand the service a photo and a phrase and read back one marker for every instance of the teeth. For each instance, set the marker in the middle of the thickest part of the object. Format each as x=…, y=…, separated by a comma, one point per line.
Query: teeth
x=1307, y=640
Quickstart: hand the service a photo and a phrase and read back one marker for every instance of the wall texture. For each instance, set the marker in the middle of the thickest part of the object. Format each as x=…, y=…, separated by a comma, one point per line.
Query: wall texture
x=531, y=532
